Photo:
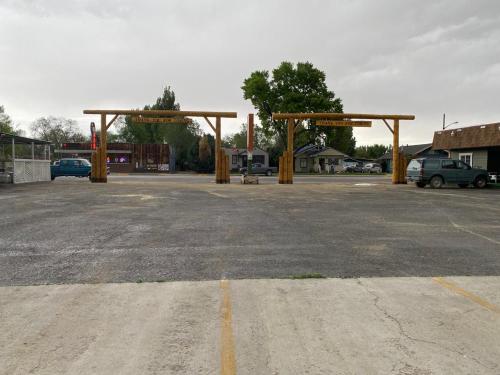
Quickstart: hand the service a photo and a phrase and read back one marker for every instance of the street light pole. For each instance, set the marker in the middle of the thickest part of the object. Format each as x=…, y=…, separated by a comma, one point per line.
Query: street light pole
x=444, y=122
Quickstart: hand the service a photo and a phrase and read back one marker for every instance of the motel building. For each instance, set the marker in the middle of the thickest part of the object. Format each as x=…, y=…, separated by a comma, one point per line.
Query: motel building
x=125, y=157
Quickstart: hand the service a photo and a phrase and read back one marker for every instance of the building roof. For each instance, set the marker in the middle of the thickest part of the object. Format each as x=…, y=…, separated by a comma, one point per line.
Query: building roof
x=408, y=150
x=243, y=151
x=487, y=135
x=314, y=150
x=6, y=138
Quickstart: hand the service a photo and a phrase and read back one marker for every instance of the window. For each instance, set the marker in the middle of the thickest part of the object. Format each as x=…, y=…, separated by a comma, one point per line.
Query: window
x=235, y=159
x=303, y=163
x=466, y=158
x=462, y=165
x=414, y=165
x=431, y=164
x=448, y=164
x=258, y=159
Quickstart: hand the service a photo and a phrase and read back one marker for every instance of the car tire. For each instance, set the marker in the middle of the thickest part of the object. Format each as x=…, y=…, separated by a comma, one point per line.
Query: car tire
x=436, y=182
x=269, y=173
x=420, y=184
x=52, y=178
x=463, y=185
x=480, y=182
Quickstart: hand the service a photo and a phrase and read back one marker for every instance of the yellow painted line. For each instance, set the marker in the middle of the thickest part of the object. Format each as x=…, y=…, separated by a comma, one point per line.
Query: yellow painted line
x=228, y=358
x=470, y=296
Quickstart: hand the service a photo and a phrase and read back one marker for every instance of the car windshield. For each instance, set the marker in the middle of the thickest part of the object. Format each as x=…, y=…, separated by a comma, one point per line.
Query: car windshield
x=85, y=162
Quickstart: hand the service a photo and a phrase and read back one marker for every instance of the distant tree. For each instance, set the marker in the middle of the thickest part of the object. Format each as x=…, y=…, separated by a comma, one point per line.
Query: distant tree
x=300, y=88
x=372, y=151
x=57, y=130
x=6, y=123
x=239, y=139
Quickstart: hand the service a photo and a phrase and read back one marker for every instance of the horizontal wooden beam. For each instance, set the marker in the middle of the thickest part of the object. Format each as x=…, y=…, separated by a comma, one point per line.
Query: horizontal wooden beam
x=365, y=124
x=138, y=112
x=340, y=116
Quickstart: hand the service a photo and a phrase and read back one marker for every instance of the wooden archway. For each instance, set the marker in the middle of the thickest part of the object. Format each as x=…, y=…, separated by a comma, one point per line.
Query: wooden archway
x=340, y=119
x=99, y=158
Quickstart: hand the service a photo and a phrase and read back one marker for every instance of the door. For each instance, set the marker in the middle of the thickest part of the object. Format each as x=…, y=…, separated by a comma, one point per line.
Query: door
x=449, y=171
x=64, y=167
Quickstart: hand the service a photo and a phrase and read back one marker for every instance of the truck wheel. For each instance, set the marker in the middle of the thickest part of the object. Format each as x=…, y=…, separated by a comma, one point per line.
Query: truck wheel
x=480, y=182
x=420, y=184
x=436, y=182
x=269, y=173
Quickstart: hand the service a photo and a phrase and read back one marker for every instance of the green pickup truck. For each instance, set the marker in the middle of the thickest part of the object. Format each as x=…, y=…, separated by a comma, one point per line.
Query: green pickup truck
x=70, y=167
x=437, y=172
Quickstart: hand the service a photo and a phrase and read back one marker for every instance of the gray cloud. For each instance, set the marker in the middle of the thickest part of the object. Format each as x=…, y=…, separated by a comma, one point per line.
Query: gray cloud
x=418, y=57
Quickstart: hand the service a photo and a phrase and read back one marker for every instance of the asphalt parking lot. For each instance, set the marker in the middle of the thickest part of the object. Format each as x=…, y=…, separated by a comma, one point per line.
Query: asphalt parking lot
x=187, y=228
x=177, y=275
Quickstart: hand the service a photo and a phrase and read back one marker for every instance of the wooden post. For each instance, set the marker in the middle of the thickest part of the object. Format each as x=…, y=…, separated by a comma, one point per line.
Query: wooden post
x=103, y=176
x=291, y=131
x=395, y=153
x=402, y=169
x=285, y=167
x=280, y=171
x=93, y=161
x=218, y=175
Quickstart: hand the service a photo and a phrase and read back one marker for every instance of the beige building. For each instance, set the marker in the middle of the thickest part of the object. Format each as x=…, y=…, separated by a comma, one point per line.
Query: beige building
x=312, y=158
x=238, y=157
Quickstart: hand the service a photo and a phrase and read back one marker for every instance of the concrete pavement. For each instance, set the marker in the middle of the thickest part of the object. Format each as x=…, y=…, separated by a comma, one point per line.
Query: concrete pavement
x=326, y=326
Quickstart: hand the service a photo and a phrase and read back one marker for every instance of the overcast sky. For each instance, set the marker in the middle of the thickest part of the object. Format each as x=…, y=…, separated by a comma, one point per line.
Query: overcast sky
x=58, y=57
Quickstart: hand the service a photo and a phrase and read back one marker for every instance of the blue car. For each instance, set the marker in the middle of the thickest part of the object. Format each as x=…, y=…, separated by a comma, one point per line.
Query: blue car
x=70, y=167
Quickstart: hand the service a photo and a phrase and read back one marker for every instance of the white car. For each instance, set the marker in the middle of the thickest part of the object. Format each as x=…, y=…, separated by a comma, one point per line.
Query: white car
x=372, y=168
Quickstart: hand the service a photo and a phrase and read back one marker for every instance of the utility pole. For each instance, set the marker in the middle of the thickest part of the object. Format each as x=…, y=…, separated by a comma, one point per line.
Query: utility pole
x=444, y=120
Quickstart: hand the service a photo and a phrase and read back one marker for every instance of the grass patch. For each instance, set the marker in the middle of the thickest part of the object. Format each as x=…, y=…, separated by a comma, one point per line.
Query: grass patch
x=312, y=275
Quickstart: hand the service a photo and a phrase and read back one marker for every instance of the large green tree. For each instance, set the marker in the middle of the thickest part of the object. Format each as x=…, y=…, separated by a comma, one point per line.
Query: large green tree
x=57, y=130
x=183, y=138
x=296, y=88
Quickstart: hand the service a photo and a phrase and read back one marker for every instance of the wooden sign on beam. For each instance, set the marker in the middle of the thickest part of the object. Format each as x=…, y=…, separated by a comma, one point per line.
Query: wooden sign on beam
x=365, y=124
x=161, y=120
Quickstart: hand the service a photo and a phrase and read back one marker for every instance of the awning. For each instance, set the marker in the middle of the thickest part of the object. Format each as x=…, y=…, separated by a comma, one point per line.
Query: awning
x=6, y=138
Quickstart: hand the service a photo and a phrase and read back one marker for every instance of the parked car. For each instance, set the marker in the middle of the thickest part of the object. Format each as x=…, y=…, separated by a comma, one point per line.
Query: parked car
x=358, y=168
x=372, y=168
x=72, y=167
x=258, y=168
x=437, y=172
